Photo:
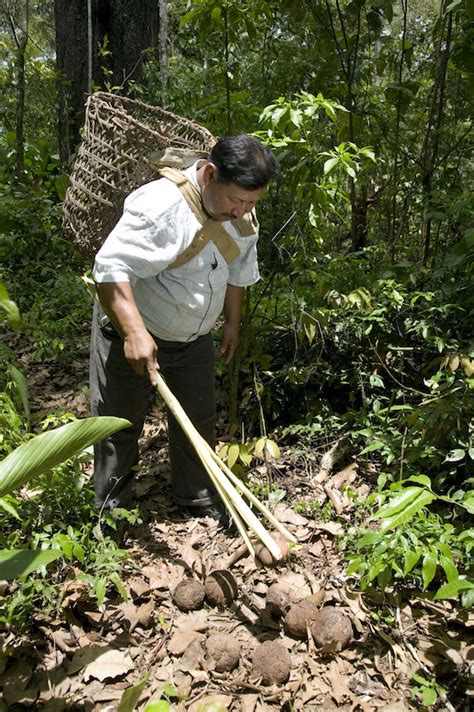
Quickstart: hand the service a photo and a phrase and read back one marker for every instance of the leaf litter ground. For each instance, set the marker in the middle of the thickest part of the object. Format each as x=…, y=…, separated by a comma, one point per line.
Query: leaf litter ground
x=86, y=657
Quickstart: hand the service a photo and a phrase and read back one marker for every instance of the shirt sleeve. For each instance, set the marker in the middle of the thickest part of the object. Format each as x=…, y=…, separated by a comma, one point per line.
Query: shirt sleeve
x=142, y=244
x=244, y=272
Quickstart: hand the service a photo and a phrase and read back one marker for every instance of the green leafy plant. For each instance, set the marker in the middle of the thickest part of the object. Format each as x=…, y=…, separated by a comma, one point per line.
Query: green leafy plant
x=428, y=689
x=37, y=456
x=415, y=545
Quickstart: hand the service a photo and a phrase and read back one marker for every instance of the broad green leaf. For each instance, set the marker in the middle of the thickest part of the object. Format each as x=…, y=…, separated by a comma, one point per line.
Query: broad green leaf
x=411, y=559
x=172, y=692
x=403, y=507
x=429, y=696
x=131, y=696
x=467, y=597
x=20, y=562
x=245, y=455
x=45, y=451
x=429, y=569
x=233, y=454
x=9, y=307
x=9, y=507
x=216, y=14
x=119, y=585
x=468, y=501
x=455, y=455
x=159, y=706
x=259, y=447
x=21, y=384
x=272, y=449
x=421, y=480
x=452, y=588
x=330, y=163
x=449, y=568
x=453, y=5
x=376, y=445
x=100, y=589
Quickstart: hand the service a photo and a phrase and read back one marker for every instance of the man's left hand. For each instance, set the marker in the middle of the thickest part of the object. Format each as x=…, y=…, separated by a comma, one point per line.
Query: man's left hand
x=230, y=341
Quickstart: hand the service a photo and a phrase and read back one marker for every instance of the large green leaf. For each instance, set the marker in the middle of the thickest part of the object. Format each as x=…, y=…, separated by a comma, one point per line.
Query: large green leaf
x=403, y=507
x=131, y=696
x=49, y=449
x=19, y=562
x=8, y=307
x=18, y=377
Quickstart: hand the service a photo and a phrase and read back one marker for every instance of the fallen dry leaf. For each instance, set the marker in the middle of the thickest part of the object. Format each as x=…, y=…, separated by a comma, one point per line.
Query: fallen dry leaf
x=109, y=665
x=210, y=700
x=181, y=640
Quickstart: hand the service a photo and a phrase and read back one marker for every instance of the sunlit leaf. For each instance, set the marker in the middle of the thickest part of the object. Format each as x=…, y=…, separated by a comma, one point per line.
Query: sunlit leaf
x=453, y=588
x=9, y=307
x=131, y=696
x=403, y=507
x=20, y=562
x=45, y=451
x=22, y=387
x=330, y=164
x=7, y=506
x=272, y=449
x=233, y=454
x=455, y=455
x=428, y=570
x=158, y=706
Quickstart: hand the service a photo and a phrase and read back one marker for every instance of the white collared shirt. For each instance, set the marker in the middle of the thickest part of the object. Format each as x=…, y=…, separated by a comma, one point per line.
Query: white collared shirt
x=156, y=226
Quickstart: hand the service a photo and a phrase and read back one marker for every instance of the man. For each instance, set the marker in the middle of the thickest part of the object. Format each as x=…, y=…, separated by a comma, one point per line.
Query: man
x=158, y=312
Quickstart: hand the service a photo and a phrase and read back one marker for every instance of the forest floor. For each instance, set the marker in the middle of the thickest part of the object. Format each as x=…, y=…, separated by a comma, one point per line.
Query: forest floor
x=86, y=656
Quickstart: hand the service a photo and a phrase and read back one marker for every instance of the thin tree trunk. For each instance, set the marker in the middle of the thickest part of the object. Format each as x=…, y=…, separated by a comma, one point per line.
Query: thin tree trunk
x=393, y=217
x=431, y=144
x=163, y=50
x=20, y=37
x=227, y=71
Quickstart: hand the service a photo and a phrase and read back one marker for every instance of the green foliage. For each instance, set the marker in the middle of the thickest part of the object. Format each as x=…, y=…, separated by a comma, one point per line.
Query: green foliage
x=46, y=451
x=415, y=544
x=428, y=689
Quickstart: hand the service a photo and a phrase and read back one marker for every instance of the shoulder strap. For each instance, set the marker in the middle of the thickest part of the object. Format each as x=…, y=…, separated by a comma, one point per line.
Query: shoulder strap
x=211, y=229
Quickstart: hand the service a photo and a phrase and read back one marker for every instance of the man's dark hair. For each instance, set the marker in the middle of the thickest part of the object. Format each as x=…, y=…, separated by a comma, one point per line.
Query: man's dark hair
x=244, y=161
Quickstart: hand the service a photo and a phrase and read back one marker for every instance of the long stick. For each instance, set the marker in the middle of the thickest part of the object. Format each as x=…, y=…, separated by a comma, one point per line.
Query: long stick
x=197, y=441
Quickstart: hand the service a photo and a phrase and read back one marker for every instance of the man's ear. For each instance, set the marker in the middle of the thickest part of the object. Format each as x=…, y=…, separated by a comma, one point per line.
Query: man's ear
x=209, y=173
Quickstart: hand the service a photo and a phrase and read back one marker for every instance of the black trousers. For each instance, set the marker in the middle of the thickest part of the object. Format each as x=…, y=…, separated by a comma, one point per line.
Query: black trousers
x=115, y=389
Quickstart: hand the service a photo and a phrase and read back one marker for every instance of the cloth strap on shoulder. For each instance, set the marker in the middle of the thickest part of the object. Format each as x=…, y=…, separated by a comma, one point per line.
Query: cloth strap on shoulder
x=211, y=229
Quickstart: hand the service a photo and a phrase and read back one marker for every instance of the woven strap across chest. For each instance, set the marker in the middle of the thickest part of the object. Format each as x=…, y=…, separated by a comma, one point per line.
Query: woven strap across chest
x=211, y=229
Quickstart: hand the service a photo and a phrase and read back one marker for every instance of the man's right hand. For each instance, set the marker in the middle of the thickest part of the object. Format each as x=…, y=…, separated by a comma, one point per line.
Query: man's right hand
x=139, y=346
x=140, y=351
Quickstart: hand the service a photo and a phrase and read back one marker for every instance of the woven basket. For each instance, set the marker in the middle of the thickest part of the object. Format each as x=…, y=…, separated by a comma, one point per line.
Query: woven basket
x=113, y=159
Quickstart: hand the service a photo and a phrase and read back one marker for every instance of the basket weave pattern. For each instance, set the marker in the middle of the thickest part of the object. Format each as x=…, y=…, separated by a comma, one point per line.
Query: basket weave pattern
x=119, y=134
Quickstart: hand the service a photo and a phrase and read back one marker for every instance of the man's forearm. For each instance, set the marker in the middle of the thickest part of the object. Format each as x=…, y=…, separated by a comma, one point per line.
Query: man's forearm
x=118, y=302
x=233, y=304
x=139, y=346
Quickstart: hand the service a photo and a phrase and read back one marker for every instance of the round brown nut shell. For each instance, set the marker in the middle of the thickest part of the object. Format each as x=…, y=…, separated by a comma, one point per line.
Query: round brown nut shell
x=221, y=588
x=266, y=557
x=224, y=649
x=331, y=629
x=271, y=663
x=299, y=617
x=189, y=595
x=280, y=597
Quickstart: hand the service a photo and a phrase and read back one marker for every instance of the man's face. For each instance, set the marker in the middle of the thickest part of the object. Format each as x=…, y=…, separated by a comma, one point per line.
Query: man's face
x=224, y=201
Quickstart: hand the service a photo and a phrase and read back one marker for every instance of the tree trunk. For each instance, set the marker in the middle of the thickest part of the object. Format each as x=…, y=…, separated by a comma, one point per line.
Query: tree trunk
x=431, y=144
x=19, y=28
x=118, y=32
x=163, y=47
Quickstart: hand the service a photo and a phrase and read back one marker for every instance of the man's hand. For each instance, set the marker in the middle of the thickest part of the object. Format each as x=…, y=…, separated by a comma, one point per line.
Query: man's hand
x=140, y=351
x=230, y=341
x=231, y=336
x=138, y=344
